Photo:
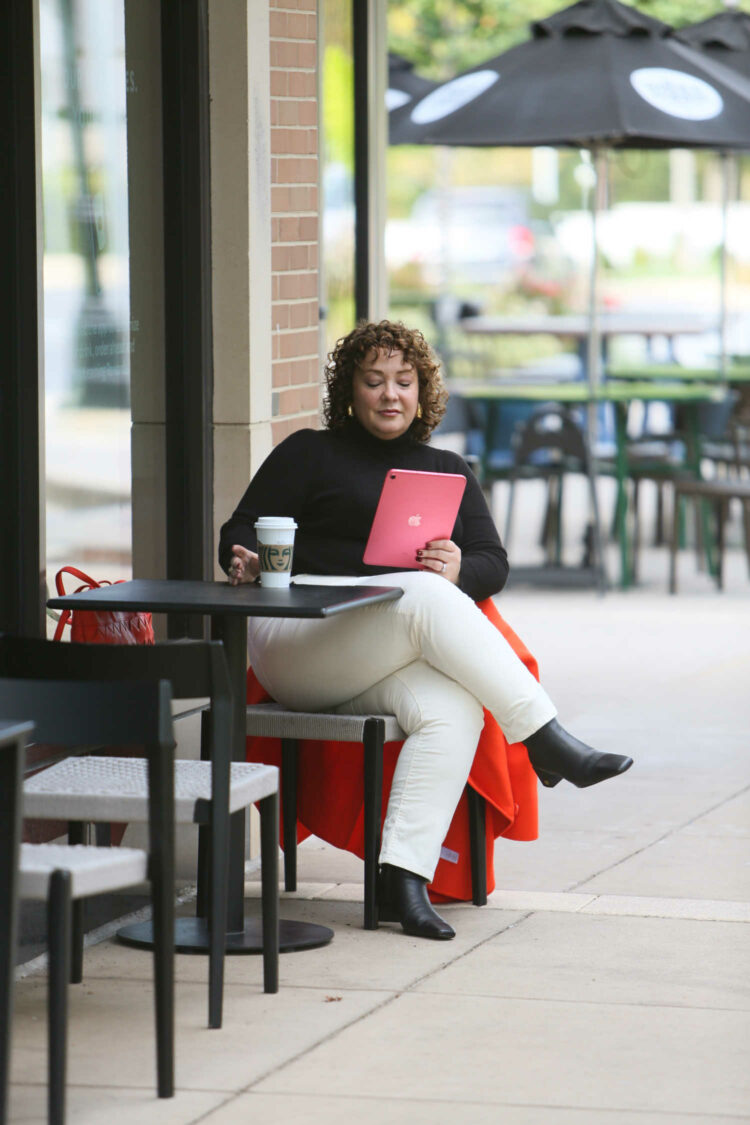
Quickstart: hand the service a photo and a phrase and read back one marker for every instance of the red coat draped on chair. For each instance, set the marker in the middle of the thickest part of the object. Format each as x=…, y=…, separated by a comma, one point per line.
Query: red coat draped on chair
x=330, y=788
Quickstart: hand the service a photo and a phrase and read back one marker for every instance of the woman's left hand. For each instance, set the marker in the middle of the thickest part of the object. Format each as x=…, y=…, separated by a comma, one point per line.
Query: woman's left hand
x=443, y=557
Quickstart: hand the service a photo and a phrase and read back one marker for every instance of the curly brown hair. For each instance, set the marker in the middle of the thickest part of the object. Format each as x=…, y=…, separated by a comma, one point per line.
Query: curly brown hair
x=392, y=336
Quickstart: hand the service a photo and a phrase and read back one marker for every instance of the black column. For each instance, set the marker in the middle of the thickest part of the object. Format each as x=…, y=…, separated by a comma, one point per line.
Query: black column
x=361, y=161
x=22, y=574
x=187, y=287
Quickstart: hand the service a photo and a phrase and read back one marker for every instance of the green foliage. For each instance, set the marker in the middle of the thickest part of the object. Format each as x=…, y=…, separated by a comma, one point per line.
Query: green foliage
x=338, y=111
x=444, y=37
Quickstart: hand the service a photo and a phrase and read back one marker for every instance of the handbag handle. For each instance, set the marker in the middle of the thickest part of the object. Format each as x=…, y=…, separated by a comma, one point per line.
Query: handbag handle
x=88, y=584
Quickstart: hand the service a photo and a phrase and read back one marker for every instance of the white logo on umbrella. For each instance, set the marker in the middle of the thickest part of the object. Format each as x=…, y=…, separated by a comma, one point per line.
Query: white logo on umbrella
x=676, y=93
x=394, y=99
x=452, y=96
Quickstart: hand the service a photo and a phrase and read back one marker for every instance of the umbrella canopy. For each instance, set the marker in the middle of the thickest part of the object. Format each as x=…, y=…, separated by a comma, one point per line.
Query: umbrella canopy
x=596, y=74
x=405, y=88
x=724, y=37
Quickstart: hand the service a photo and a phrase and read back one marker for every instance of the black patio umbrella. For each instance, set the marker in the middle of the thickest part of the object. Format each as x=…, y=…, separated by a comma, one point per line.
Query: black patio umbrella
x=724, y=39
x=405, y=88
x=596, y=75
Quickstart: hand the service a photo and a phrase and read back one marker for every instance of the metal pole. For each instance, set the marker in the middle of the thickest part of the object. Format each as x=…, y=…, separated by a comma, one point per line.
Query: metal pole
x=727, y=165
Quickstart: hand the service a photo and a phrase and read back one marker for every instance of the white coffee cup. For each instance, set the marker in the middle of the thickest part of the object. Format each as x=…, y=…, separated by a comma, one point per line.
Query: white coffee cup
x=275, y=549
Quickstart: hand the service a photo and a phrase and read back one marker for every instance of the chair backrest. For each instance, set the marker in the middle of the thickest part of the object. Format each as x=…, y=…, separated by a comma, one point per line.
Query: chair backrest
x=714, y=417
x=507, y=419
x=86, y=713
x=553, y=428
x=193, y=668
x=80, y=713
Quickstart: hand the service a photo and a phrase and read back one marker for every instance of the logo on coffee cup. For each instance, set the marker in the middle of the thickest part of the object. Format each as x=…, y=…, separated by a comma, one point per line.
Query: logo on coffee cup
x=275, y=556
x=414, y=521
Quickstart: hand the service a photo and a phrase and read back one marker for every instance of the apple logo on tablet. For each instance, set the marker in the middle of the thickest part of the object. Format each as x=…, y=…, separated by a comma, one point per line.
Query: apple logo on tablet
x=414, y=521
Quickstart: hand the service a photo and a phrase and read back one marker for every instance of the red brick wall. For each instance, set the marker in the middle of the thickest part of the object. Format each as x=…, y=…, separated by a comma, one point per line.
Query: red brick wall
x=294, y=207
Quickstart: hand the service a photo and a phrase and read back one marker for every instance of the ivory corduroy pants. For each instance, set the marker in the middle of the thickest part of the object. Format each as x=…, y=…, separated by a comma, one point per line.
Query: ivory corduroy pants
x=432, y=659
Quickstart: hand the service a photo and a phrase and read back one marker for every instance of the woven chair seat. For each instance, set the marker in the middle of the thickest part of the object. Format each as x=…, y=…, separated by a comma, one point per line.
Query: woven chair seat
x=92, y=870
x=271, y=720
x=120, y=786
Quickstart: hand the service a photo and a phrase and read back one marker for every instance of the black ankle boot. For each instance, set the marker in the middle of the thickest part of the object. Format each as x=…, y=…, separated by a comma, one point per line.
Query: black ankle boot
x=555, y=755
x=402, y=897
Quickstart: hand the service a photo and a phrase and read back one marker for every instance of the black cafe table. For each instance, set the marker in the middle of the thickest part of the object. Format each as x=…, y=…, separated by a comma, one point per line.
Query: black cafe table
x=229, y=607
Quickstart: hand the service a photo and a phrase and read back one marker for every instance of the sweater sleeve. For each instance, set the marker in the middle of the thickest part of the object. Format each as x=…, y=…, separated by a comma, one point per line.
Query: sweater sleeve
x=279, y=488
x=484, y=560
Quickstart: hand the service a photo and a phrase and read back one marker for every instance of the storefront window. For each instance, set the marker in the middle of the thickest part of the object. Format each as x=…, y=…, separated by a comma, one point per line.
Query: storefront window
x=337, y=168
x=86, y=300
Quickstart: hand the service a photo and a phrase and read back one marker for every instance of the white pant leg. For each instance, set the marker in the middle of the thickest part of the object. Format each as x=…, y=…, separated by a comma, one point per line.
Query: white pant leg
x=443, y=723
x=319, y=664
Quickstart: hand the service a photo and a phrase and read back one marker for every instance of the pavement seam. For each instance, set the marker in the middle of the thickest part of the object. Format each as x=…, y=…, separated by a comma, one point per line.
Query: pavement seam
x=667, y=1113
x=332, y=1035
x=659, y=839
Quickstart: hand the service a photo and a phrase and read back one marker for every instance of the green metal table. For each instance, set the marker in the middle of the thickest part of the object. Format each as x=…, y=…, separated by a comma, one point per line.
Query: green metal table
x=621, y=394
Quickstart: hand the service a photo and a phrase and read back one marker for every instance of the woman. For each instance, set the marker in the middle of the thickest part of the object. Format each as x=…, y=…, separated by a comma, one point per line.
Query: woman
x=431, y=657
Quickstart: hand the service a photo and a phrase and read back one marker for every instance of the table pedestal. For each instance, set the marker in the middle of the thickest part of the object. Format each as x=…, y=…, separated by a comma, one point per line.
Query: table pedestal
x=191, y=936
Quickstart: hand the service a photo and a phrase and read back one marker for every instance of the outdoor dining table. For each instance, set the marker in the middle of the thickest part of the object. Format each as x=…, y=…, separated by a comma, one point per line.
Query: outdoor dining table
x=229, y=607
x=620, y=394
x=577, y=326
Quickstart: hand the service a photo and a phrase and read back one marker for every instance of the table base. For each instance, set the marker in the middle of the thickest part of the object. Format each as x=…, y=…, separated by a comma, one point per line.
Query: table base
x=191, y=936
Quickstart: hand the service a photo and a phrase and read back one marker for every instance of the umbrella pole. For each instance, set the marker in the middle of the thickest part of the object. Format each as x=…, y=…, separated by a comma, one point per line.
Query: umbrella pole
x=594, y=356
x=593, y=361
x=726, y=176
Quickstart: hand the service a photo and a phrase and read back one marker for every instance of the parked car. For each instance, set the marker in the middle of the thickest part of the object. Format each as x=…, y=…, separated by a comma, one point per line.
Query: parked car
x=468, y=233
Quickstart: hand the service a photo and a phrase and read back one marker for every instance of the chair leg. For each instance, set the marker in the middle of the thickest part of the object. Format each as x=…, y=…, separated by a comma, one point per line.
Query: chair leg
x=161, y=862
x=204, y=831
x=59, y=946
x=477, y=846
x=636, y=537
x=218, y=886
x=76, y=835
x=11, y=773
x=372, y=741
x=659, y=520
x=509, y=513
x=269, y=877
x=674, y=543
x=722, y=514
x=289, y=754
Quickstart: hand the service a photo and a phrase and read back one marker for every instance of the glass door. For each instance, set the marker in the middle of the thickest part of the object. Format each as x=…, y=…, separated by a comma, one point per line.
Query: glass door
x=88, y=332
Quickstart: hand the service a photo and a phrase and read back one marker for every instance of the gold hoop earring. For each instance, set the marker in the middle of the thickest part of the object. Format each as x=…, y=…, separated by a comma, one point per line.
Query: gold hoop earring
x=350, y=410
x=419, y=410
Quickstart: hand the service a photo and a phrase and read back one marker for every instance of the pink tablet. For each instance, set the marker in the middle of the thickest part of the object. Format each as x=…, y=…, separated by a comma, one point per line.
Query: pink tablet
x=413, y=509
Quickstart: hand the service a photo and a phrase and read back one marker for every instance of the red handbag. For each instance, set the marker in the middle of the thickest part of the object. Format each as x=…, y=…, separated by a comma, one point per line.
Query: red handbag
x=101, y=626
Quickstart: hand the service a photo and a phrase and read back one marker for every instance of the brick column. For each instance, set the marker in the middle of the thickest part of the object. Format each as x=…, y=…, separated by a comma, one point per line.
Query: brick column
x=296, y=365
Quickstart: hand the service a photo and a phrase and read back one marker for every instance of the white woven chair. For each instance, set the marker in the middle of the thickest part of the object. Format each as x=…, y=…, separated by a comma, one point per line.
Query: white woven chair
x=113, y=789
x=60, y=874
x=13, y=738
x=271, y=720
x=66, y=714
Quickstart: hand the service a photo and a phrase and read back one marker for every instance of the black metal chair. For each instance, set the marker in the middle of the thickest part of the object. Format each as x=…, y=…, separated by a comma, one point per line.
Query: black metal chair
x=206, y=793
x=719, y=494
x=86, y=713
x=370, y=733
x=548, y=445
x=13, y=738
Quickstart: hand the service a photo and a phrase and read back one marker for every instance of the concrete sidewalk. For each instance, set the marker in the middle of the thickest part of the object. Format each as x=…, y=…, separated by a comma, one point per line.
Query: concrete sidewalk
x=606, y=982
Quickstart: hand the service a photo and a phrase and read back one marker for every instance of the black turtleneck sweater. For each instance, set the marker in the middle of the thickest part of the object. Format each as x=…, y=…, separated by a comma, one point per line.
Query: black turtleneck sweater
x=329, y=481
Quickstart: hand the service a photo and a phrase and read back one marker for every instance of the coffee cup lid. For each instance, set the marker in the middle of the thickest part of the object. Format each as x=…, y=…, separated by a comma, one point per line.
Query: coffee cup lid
x=276, y=522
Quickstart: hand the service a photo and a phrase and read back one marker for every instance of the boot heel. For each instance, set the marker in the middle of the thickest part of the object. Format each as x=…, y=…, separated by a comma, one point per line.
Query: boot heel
x=548, y=780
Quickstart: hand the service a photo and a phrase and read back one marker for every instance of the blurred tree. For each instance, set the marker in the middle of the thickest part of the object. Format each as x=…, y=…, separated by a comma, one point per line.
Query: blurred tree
x=444, y=37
